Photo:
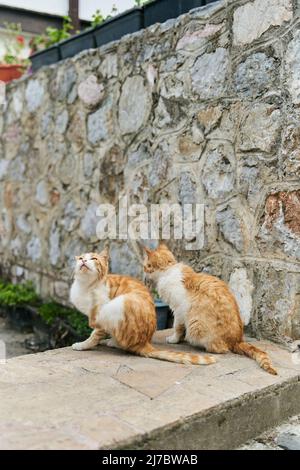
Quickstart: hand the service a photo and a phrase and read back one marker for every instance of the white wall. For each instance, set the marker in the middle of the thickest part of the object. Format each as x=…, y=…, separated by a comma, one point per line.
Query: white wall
x=88, y=7
x=60, y=7
x=55, y=7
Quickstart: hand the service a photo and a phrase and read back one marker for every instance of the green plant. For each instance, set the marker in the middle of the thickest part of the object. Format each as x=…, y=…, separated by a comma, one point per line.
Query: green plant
x=52, y=36
x=55, y=35
x=21, y=295
x=12, y=295
x=50, y=311
x=14, y=45
x=140, y=3
x=155, y=294
x=97, y=18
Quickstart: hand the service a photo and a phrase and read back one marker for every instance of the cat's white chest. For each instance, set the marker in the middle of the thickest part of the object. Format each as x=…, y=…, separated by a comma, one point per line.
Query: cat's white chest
x=172, y=290
x=85, y=299
x=79, y=298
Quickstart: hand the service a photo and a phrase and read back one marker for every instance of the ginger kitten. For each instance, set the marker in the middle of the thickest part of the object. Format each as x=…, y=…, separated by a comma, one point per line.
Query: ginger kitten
x=206, y=313
x=121, y=307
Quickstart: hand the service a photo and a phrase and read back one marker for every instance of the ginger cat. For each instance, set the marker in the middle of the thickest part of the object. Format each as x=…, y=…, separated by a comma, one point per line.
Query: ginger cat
x=121, y=307
x=206, y=313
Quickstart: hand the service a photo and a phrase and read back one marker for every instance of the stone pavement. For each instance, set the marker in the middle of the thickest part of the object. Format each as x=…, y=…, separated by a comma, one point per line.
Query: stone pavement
x=106, y=398
x=14, y=340
x=283, y=437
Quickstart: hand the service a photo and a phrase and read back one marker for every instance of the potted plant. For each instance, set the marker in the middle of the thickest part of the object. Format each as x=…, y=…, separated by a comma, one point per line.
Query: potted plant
x=14, y=61
x=159, y=11
x=162, y=311
x=45, y=49
x=81, y=41
x=116, y=27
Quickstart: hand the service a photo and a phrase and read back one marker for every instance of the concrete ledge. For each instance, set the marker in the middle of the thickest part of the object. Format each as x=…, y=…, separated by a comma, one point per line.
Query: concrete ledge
x=107, y=399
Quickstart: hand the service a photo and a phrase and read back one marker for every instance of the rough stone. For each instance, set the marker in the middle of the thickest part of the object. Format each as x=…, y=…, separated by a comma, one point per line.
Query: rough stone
x=134, y=107
x=34, y=249
x=17, y=102
x=242, y=288
x=54, y=245
x=159, y=166
x=62, y=122
x=187, y=188
x=127, y=263
x=280, y=229
x=260, y=128
x=90, y=91
x=290, y=150
x=98, y=124
x=289, y=441
x=23, y=223
x=218, y=171
x=253, y=19
x=230, y=227
x=89, y=221
x=209, y=117
x=112, y=172
x=17, y=169
x=88, y=164
x=277, y=304
x=293, y=67
x=3, y=168
x=254, y=172
x=212, y=82
x=255, y=74
x=195, y=40
x=46, y=122
x=67, y=168
x=65, y=79
x=42, y=193
x=109, y=66
x=71, y=216
x=34, y=95
x=76, y=131
x=61, y=289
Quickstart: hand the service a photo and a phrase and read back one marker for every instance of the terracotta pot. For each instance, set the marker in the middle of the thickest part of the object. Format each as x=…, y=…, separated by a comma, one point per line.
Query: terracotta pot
x=10, y=72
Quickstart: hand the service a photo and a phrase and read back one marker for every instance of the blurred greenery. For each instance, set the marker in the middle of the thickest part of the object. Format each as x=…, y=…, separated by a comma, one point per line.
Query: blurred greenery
x=21, y=295
x=12, y=295
x=139, y=3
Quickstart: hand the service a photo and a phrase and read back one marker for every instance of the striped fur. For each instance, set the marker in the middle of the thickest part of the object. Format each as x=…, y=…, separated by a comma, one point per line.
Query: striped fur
x=206, y=313
x=121, y=307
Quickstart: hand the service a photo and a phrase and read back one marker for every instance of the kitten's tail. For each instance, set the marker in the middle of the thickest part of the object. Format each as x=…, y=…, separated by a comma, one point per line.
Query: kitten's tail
x=172, y=356
x=255, y=353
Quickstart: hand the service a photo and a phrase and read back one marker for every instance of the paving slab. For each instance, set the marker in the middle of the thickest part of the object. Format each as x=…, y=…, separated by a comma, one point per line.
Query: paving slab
x=109, y=399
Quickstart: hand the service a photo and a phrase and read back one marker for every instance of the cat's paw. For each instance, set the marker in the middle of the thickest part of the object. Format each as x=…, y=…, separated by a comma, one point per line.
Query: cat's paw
x=110, y=342
x=78, y=347
x=172, y=339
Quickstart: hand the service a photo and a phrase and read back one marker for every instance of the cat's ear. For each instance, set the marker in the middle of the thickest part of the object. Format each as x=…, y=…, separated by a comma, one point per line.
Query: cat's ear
x=105, y=253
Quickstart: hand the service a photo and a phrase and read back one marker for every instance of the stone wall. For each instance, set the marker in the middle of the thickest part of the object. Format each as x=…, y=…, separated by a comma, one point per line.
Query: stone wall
x=201, y=108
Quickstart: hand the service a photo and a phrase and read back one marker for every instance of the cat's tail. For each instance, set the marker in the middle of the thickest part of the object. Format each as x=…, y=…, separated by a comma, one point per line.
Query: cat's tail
x=172, y=356
x=257, y=354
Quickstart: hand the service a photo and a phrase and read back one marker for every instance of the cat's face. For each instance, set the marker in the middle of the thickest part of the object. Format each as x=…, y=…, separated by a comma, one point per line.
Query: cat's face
x=92, y=265
x=158, y=260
